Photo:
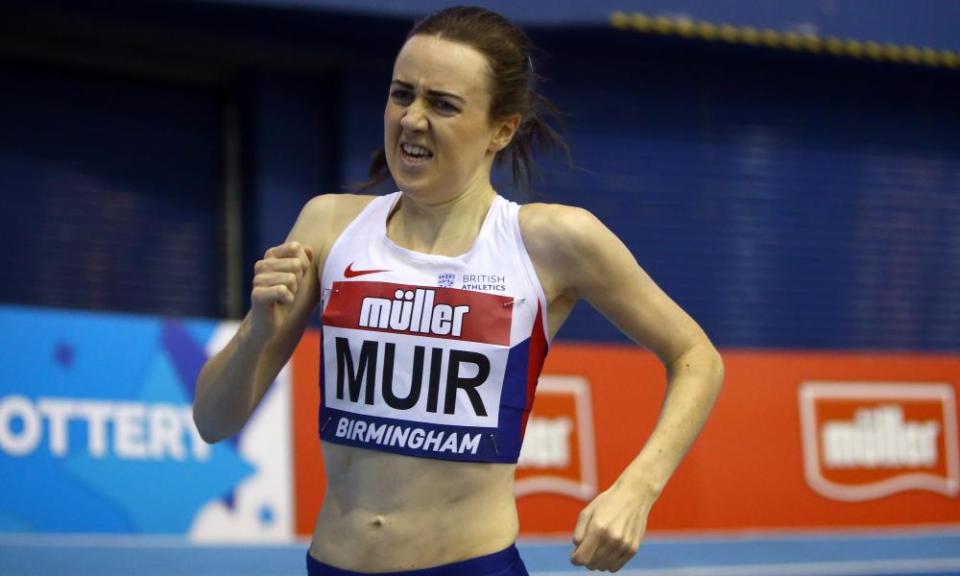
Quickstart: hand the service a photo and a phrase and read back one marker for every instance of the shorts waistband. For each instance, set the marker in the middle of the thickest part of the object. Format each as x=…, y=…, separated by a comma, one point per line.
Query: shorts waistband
x=480, y=565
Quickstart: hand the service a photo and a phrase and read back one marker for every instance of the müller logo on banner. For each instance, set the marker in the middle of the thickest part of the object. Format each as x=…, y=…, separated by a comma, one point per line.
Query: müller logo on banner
x=868, y=440
x=558, y=454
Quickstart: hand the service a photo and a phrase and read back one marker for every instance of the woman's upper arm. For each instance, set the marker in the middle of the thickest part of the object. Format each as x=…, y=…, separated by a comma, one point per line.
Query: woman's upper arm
x=586, y=260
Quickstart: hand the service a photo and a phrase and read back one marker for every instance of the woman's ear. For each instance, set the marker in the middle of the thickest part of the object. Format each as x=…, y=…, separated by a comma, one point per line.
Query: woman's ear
x=505, y=130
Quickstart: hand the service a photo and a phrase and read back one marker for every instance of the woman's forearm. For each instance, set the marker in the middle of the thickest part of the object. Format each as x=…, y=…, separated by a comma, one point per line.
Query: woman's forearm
x=693, y=382
x=227, y=386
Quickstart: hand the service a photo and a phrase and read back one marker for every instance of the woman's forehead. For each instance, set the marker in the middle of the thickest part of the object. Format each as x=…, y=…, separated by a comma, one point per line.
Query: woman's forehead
x=434, y=63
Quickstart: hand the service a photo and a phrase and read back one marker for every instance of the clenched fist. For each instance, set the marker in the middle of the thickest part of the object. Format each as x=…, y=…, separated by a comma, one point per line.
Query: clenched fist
x=277, y=277
x=610, y=529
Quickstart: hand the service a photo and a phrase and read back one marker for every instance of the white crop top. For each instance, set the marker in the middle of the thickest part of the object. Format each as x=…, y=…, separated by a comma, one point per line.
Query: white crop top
x=428, y=355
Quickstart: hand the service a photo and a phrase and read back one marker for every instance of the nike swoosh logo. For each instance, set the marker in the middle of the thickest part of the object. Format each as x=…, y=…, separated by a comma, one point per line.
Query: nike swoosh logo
x=351, y=273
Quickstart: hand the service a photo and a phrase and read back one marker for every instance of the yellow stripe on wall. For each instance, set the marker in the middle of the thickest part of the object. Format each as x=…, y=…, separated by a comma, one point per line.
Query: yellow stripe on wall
x=795, y=41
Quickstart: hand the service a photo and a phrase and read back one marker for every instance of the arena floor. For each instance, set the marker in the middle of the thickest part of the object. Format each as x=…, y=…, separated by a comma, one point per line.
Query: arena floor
x=885, y=553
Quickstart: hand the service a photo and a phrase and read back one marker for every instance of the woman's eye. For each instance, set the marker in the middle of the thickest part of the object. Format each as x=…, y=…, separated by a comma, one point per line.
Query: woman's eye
x=401, y=95
x=444, y=106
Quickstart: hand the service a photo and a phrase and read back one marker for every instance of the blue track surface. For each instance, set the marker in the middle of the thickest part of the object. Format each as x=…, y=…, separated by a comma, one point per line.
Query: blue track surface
x=889, y=554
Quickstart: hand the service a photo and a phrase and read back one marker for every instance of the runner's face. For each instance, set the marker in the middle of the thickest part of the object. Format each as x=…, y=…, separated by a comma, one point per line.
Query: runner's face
x=438, y=137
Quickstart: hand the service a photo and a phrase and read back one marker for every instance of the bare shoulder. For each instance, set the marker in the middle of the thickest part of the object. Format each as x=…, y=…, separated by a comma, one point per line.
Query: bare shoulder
x=560, y=240
x=332, y=209
x=324, y=217
x=557, y=232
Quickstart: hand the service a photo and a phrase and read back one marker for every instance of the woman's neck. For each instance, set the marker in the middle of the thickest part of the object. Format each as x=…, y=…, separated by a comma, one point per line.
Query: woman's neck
x=447, y=227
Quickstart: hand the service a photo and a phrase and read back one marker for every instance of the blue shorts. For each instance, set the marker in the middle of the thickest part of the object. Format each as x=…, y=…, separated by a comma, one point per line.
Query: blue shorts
x=506, y=562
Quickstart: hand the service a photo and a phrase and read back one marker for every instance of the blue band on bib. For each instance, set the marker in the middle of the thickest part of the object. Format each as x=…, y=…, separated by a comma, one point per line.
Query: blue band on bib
x=420, y=439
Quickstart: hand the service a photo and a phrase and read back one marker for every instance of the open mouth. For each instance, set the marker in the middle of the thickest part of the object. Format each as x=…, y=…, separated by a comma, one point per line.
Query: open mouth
x=415, y=154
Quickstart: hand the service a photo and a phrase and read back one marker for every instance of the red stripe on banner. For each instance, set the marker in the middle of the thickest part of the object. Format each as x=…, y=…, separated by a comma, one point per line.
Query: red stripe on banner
x=309, y=480
x=421, y=310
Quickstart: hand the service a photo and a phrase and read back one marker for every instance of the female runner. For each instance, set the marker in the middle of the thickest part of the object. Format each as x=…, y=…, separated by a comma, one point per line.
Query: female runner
x=438, y=302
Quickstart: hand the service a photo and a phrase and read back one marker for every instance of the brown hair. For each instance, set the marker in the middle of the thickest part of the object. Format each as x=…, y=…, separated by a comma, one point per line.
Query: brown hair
x=513, y=82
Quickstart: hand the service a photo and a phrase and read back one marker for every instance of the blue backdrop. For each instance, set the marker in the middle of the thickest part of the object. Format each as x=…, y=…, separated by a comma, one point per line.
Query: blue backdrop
x=929, y=23
x=785, y=200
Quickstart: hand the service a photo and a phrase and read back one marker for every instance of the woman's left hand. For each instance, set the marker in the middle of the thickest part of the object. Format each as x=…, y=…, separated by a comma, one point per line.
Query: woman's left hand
x=610, y=528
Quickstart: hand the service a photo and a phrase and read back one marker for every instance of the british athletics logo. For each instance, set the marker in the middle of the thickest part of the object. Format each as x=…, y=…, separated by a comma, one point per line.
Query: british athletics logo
x=446, y=279
x=868, y=440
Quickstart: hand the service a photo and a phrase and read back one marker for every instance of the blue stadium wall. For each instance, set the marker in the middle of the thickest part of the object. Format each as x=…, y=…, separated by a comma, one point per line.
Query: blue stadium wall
x=784, y=200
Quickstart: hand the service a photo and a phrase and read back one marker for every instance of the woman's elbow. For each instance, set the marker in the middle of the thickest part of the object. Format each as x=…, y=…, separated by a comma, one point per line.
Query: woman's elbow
x=715, y=370
x=717, y=365
x=707, y=362
x=205, y=428
x=199, y=423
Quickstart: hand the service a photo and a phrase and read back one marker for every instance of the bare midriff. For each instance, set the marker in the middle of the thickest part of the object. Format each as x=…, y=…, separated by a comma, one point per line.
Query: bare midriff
x=386, y=512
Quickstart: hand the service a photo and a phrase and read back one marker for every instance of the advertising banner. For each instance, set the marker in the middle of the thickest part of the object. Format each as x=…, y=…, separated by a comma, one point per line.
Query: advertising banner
x=97, y=436
x=866, y=440
x=97, y=433
x=797, y=440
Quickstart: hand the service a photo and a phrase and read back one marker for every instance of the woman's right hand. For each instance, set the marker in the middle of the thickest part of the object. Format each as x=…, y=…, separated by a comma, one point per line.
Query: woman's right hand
x=276, y=280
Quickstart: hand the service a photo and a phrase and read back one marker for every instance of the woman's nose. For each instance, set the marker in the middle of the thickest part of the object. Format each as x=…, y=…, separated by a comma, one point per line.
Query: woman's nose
x=414, y=118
